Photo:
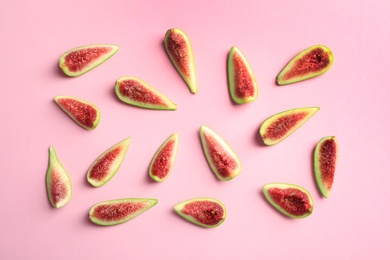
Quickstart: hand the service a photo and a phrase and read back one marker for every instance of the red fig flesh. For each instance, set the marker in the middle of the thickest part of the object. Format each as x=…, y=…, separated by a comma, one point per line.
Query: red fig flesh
x=80, y=60
x=179, y=50
x=325, y=157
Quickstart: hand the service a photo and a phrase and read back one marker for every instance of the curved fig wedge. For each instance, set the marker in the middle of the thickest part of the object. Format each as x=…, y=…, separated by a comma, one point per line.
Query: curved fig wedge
x=204, y=212
x=80, y=60
x=58, y=185
x=325, y=157
x=137, y=93
x=221, y=158
x=82, y=112
x=277, y=127
x=114, y=212
x=309, y=63
x=162, y=162
x=107, y=164
x=179, y=50
x=242, y=82
x=291, y=200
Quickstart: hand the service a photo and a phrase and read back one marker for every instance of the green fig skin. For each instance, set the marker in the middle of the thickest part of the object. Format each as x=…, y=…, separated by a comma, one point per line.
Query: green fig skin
x=58, y=184
x=318, y=54
x=111, y=50
x=135, y=207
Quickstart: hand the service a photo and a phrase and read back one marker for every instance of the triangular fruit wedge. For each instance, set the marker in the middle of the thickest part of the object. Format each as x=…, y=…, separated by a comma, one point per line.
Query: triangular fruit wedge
x=114, y=212
x=325, y=157
x=222, y=159
x=162, y=162
x=277, y=127
x=179, y=50
x=291, y=200
x=309, y=63
x=79, y=60
x=107, y=164
x=58, y=185
x=204, y=212
x=82, y=112
x=242, y=82
x=137, y=93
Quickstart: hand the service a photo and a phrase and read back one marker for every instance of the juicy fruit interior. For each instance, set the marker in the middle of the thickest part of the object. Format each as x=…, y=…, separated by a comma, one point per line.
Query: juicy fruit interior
x=327, y=156
x=58, y=188
x=79, y=60
x=208, y=213
x=282, y=125
x=115, y=212
x=293, y=201
x=163, y=161
x=83, y=113
x=102, y=167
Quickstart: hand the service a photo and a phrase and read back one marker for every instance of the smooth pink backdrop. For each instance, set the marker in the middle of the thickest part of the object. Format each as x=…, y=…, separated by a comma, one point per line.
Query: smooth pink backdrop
x=353, y=96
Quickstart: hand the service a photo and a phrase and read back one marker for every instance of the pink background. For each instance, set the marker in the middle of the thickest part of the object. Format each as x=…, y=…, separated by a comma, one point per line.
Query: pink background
x=353, y=95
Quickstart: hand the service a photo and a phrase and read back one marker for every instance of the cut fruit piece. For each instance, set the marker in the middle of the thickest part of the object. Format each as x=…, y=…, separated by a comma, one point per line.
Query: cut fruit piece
x=309, y=63
x=82, y=112
x=137, y=93
x=107, y=164
x=79, y=60
x=58, y=185
x=242, y=82
x=162, y=162
x=221, y=158
x=204, y=212
x=179, y=50
x=277, y=127
x=325, y=157
x=114, y=212
x=291, y=200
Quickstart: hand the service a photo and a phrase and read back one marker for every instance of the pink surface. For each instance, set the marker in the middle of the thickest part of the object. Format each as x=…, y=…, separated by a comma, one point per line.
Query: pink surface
x=353, y=96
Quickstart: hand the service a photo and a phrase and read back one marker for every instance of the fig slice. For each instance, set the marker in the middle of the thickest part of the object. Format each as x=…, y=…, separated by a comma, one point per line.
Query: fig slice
x=114, y=212
x=291, y=200
x=221, y=158
x=204, y=212
x=277, y=127
x=242, y=82
x=137, y=93
x=80, y=60
x=82, y=112
x=325, y=157
x=309, y=63
x=107, y=164
x=179, y=50
x=58, y=185
x=162, y=162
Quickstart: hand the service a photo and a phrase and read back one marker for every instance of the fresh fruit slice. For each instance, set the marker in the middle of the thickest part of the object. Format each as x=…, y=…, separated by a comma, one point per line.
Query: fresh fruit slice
x=179, y=51
x=222, y=159
x=325, y=157
x=242, y=82
x=309, y=63
x=162, y=162
x=137, y=93
x=290, y=199
x=277, y=127
x=79, y=60
x=82, y=112
x=107, y=164
x=58, y=186
x=204, y=212
x=114, y=212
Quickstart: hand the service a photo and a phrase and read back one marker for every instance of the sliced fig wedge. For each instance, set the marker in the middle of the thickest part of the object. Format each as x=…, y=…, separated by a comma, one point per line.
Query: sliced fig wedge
x=325, y=157
x=309, y=63
x=221, y=158
x=179, y=50
x=107, y=164
x=162, y=162
x=204, y=212
x=242, y=82
x=137, y=93
x=114, y=212
x=80, y=60
x=58, y=185
x=82, y=112
x=277, y=127
x=291, y=200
